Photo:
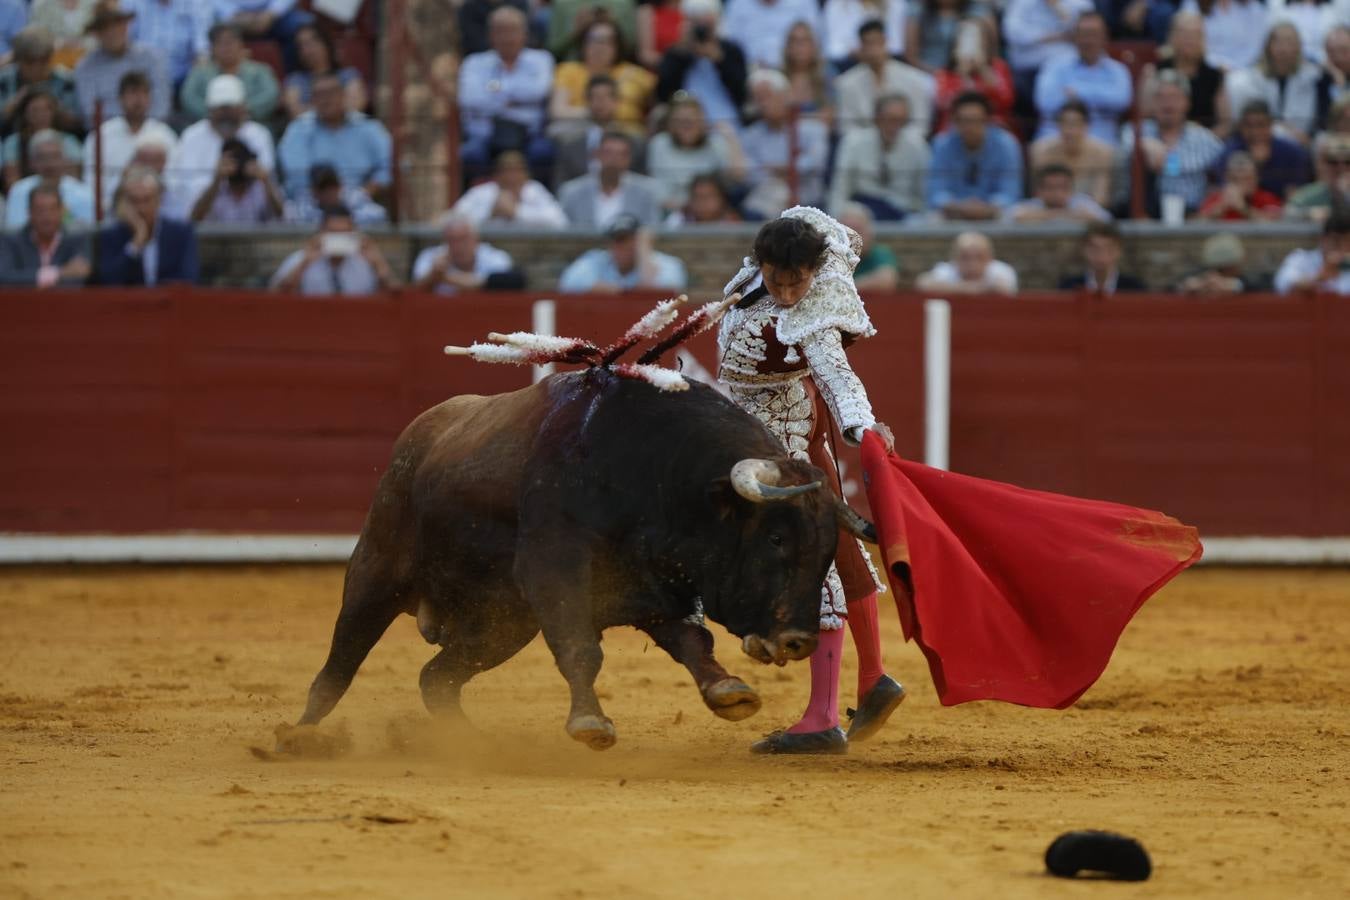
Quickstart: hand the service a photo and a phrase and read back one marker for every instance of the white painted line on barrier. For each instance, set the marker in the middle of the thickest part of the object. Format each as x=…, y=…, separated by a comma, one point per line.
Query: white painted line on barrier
x=544, y=321
x=937, y=381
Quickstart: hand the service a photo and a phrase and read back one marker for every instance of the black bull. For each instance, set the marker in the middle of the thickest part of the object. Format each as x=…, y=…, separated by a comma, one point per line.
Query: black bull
x=580, y=503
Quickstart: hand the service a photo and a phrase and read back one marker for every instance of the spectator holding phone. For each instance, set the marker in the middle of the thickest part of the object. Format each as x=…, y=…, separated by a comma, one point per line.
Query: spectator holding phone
x=338, y=260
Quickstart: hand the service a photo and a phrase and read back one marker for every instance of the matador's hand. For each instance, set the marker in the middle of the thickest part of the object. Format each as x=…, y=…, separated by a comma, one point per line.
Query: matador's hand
x=887, y=436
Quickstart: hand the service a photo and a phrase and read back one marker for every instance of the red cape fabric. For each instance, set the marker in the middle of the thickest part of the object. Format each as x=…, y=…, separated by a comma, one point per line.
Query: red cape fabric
x=1013, y=594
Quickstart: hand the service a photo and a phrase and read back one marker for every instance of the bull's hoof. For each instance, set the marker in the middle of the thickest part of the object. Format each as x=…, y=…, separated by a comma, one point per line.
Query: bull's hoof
x=595, y=732
x=732, y=699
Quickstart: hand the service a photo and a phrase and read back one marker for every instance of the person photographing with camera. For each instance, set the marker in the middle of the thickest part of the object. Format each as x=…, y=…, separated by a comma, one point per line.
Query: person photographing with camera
x=338, y=260
x=242, y=192
x=704, y=65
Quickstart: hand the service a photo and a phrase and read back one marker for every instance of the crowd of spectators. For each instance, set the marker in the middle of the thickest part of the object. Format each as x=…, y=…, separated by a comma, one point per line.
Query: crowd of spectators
x=624, y=118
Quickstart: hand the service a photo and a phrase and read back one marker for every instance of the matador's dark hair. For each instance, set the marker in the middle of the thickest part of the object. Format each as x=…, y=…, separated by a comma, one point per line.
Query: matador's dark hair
x=789, y=243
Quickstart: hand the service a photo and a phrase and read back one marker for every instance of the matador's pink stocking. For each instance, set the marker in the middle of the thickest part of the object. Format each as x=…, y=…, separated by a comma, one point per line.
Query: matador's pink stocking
x=862, y=623
x=822, y=711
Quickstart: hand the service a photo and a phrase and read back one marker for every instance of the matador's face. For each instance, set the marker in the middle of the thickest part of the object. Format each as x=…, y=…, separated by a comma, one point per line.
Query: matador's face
x=787, y=287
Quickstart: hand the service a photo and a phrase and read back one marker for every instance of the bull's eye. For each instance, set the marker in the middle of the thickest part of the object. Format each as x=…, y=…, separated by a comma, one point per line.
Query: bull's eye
x=776, y=539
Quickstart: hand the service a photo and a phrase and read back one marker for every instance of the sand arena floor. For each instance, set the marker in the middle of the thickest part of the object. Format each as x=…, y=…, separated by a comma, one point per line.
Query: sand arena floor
x=129, y=699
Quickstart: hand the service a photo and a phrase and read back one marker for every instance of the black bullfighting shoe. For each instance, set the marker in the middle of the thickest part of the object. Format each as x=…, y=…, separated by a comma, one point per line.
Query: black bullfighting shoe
x=875, y=709
x=830, y=741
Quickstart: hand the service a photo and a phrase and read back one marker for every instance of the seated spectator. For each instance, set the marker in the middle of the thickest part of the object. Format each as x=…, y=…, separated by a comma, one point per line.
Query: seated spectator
x=1056, y=201
x=47, y=156
x=43, y=254
x=977, y=167
x=64, y=20
x=357, y=146
x=687, y=148
x=1036, y=31
x=1101, y=262
x=704, y=66
x=37, y=112
x=503, y=94
x=31, y=69
x=841, y=19
x=338, y=261
x=1089, y=159
x=629, y=263
x=177, y=28
x=13, y=17
x=464, y=263
x=877, y=269
x=1312, y=18
x=594, y=201
x=1240, y=198
x=769, y=150
x=972, y=270
x=145, y=247
x=1338, y=116
x=808, y=74
x=877, y=74
x=121, y=134
x=567, y=18
x=1282, y=165
x=1334, y=83
x=577, y=151
x=196, y=160
x=473, y=22
x=1138, y=20
x=242, y=193
x=761, y=26
x=326, y=190
x=1185, y=53
x=1103, y=84
x=883, y=167
x=709, y=204
x=602, y=53
x=931, y=28
x=1223, y=261
x=1177, y=153
x=318, y=57
x=1234, y=30
x=511, y=198
x=278, y=20
x=100, y=72
x=974, y=67
x=1314, y=202
x=659, y=24
x=229, y=56
x=1284, y=81
x=1323, y=270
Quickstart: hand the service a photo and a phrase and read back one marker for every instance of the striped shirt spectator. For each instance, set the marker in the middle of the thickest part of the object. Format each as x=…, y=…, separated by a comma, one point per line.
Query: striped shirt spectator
x=100, y=72
x=176, y=27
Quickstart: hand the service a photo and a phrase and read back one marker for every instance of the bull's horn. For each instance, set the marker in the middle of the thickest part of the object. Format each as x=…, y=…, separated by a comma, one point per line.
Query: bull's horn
x=757, y=481
x=852, y=521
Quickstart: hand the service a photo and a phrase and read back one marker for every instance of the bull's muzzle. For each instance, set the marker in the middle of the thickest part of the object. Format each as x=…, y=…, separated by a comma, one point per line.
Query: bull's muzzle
x=781, y=648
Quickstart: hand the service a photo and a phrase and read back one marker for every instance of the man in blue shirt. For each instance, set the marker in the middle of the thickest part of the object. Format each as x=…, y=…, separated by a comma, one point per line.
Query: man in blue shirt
x=1089, y=75
x=977, y=167
x=628, y=264
x=357, y=146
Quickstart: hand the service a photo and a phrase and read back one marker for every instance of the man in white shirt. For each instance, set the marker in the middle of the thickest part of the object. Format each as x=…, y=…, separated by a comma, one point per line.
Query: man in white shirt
x=464, y=263
x=875, y=75
x=594, y=201
x=511, y=198
x=1323, y=270
x=971, y=270
x=194, y=161
x=761, y=27
x=121, y=135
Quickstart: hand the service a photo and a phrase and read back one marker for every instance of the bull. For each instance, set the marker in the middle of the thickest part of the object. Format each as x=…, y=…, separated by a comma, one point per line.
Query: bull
x=586, y=501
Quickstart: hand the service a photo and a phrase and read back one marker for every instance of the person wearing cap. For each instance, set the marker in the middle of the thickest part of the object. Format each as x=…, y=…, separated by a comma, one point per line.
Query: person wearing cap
x=629, y=263
x=464, y=263
x=1325, y=269
x=229, y=56
x=32, y=68
x=357, y=146
x=704, y=66
x=325, y=190
x=1101, y=274
x=47, y=156
x=511, y=198
x=43, y=254
x=121, y=134
x=100, y=72
x=338, y=261
x=1313, y=202
x=1223, y=261
x=194, y=163
x=596, y=200
x=144, y=246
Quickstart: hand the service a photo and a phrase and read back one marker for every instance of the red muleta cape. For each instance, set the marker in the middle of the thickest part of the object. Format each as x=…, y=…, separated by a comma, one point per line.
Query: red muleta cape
x=1013, y=594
